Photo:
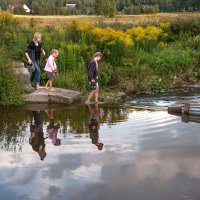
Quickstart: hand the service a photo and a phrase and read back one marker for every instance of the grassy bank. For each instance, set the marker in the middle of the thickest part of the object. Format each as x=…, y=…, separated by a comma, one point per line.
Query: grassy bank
x=141, y=53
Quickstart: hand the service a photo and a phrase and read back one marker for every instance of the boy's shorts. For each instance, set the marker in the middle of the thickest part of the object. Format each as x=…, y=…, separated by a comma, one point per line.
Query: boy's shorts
x=93, y=86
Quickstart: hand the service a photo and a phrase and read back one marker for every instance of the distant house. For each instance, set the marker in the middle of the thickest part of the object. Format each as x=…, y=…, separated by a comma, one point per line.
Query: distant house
x=71, y=8
x=12, y=6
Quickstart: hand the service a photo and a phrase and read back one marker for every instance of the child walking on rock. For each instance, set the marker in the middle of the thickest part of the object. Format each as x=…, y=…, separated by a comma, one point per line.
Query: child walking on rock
x=51, y=69
x=93, y=78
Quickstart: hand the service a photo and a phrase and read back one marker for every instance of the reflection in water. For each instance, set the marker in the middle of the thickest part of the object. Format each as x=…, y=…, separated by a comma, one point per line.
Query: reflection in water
x=37, y=140
x=94, y=126
x=52, y=128
x=13, y=124
x=146, y=156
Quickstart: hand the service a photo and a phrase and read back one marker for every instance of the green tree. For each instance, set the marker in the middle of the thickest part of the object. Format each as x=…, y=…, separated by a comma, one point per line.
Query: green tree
x=121, y=4
x=98, y=7
x=19, y=11
x=105, y=7
x=136, y=10
x=128, y=10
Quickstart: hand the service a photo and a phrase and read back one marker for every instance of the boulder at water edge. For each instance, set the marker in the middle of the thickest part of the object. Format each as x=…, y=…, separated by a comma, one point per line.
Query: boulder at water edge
x=58, y=96
x=25, y=76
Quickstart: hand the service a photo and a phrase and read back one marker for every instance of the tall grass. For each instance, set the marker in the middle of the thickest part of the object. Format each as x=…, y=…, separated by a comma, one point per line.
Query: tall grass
x=74, y=79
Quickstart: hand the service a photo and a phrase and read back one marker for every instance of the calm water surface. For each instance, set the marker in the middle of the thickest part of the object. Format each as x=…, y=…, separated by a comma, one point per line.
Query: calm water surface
x=98, y=153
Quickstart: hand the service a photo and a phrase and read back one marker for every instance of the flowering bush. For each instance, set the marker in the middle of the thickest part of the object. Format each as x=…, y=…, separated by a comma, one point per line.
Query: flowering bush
x=148, y=37
x=148, y=33
x=112, y=42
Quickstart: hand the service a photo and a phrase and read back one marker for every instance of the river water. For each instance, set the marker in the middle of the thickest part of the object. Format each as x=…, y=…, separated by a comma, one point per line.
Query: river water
x=96, y=152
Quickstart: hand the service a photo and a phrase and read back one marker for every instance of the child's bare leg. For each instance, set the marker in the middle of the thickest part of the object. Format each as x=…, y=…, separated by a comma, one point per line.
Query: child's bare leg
x=51, y=113
x=46, y=86
x=90, y=96
x=96, y=95
x=50, y=85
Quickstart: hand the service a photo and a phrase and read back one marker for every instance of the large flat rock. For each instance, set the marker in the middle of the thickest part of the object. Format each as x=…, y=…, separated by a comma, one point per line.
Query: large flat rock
x=58, y=96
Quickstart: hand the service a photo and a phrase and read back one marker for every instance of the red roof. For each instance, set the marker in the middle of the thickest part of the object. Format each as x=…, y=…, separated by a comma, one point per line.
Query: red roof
x=14, y=5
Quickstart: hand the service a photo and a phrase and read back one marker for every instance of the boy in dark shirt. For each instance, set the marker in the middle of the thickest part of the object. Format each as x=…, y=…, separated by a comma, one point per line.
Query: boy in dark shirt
x=93, y=78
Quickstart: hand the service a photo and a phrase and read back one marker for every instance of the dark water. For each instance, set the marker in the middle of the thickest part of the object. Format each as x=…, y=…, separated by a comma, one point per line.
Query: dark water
x=98, y=153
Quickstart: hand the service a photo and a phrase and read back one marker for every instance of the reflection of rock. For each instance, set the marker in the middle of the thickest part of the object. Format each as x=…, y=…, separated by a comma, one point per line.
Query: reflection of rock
x=44, y=106
x=59, y=96
x=185, y=107
x=25, y=76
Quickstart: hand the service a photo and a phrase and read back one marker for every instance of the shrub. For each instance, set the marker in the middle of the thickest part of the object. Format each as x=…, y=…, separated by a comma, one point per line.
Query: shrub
x=69, y=57
x=75, y=79
x=172, y=59
x=8, y=29
x=11, y=35
x=113, y=43
x=193, y=42
x=147, y=38
x=11, y=87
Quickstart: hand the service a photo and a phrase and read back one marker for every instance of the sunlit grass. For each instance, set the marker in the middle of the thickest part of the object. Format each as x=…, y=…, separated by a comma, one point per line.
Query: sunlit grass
x=60, y=21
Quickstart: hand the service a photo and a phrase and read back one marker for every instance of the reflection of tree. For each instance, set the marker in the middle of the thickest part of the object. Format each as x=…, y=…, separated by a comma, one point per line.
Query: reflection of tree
x=13, y=123
x=75, y=119
x=112, y=115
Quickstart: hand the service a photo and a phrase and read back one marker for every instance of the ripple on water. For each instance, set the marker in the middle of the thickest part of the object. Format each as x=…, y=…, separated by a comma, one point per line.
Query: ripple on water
x=146, y=156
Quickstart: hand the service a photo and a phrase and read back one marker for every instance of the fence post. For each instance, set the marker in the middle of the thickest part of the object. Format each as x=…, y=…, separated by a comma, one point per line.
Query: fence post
x=186, y=108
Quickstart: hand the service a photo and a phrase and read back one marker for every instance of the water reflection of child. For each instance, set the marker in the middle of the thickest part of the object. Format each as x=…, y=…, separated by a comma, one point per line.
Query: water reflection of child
x=37, y=140
x=94, y=126
x=52, y=128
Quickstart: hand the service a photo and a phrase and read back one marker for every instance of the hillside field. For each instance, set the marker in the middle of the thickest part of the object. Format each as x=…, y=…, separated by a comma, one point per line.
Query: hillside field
x=131, y=20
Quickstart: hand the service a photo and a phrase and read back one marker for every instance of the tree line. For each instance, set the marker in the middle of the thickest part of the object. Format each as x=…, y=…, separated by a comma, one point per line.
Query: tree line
x=104, y=7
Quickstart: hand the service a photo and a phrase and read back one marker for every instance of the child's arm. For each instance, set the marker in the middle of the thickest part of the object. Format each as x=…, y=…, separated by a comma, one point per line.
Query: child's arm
x=43, y=51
